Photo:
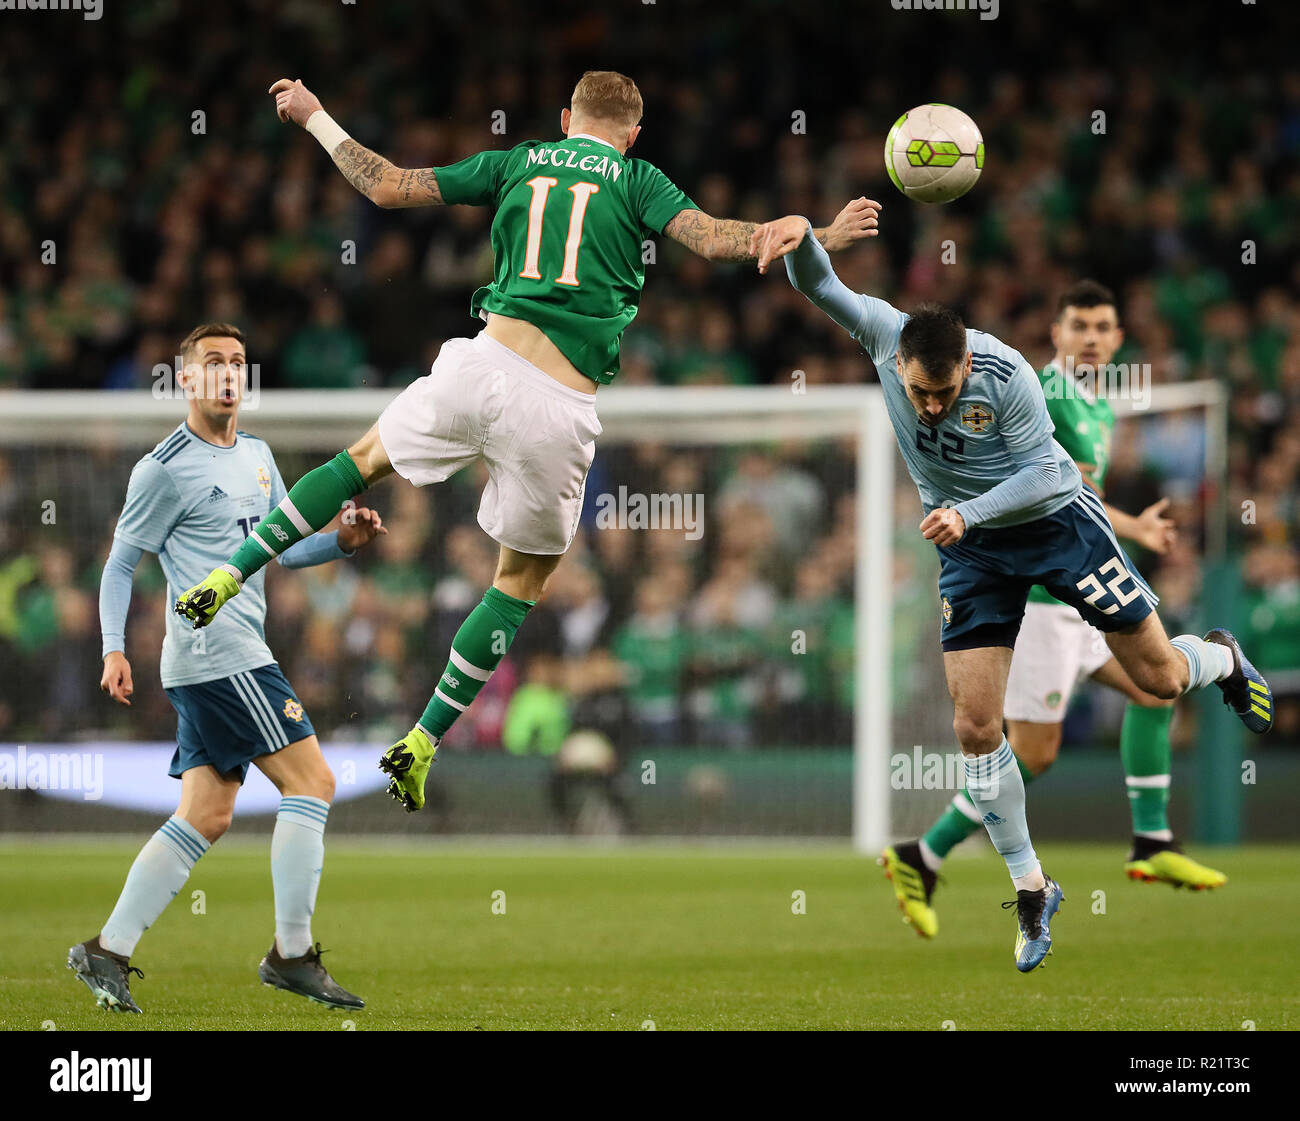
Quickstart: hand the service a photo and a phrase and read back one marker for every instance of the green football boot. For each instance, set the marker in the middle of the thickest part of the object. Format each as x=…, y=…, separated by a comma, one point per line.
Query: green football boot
x=408, y=762
x=202, y=602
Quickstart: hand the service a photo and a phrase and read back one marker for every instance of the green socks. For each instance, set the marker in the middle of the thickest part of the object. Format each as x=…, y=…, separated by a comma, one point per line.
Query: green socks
x=479, y=645
x=1146, y=754
x=959, y=821
x=310, y=504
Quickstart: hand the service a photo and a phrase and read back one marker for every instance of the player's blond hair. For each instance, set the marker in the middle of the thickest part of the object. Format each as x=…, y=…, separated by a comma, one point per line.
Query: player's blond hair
x=607, y=95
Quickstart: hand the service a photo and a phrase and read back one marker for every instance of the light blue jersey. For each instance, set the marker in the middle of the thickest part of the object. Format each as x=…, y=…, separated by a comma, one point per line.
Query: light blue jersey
x=998, y=425
x=193, y=503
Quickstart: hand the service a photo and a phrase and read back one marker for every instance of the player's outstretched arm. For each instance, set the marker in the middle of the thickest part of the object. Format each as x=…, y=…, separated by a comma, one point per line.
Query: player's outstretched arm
x=717, y=239
x=381, y=181
x=810, y=271
x=725, y=239
x=858, y=220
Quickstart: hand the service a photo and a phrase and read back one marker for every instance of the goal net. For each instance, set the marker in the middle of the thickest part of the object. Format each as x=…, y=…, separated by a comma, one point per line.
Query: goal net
x=743, y=641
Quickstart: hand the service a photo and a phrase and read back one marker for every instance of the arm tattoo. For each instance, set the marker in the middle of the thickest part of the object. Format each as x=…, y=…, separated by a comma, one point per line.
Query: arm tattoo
x=360, y=166
x=731, y=240
x=418, y=187
x=382, y=182
x=690, y=227
x=719, y=239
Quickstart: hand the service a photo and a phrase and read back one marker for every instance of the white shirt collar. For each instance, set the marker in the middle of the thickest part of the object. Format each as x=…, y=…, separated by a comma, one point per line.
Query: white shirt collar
x=588, y=136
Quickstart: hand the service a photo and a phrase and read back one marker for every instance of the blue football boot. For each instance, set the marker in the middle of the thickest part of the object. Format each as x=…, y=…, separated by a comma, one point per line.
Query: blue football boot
x=1244, y=690
x=1034, y=911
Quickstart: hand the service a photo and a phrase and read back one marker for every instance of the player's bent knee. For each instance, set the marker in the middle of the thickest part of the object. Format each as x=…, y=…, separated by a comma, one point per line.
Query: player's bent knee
x=212, y=824
x=1041, y=751
x=324, y=783
x=315, y=783
x=977, y=733
x=370, y=457
x=524, y=575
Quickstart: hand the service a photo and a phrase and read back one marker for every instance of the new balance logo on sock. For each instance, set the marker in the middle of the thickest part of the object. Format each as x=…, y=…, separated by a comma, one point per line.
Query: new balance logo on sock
x=278, y=532
x=452, y=681
x=216, y=495
x=991, y=818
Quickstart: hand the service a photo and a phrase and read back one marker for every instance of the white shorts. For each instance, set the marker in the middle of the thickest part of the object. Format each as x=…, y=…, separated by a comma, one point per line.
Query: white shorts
x=1054, y=649
x=535, y=436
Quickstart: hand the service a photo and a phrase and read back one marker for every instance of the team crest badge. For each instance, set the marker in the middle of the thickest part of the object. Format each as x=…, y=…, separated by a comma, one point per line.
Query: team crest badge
x=292, y=709
x=264, y=481
x=976, y=417
x=947, y=610
x=1053, y=699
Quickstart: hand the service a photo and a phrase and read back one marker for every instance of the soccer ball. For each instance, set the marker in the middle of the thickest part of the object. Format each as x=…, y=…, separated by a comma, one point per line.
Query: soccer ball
x=934, y=153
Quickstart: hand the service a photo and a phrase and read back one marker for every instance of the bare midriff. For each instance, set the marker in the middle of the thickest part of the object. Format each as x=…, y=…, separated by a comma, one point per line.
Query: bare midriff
x=532, y=345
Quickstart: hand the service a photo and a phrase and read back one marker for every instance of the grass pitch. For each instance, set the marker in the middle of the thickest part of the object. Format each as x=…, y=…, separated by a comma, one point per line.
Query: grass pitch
x=674, y=937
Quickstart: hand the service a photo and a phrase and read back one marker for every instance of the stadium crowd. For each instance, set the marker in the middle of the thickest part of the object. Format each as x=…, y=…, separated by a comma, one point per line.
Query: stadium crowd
x=138, y=199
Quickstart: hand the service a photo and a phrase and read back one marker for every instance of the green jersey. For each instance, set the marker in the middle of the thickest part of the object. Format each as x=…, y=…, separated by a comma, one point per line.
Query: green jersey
x=571, y=218
x=1084, y=424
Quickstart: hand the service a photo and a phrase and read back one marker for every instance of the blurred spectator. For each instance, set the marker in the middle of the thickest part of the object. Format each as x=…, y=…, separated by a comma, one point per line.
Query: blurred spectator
x=653, y=647
x=120, y=227
x=325, y=354
x=1272, y=612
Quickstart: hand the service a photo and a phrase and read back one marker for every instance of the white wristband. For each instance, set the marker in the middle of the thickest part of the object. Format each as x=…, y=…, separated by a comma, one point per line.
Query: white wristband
x=325, y=129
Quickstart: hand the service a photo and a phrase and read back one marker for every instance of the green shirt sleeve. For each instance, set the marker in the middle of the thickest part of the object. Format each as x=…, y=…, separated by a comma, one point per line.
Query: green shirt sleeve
x=658, y=199
x=475, y=181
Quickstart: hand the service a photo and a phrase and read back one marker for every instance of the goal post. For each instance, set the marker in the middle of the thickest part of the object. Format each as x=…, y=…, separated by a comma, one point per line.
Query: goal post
x=705, y=417
x=898, y=699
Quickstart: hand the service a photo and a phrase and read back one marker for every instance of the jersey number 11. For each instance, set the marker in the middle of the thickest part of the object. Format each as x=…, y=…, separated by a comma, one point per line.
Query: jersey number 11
x=582, y=193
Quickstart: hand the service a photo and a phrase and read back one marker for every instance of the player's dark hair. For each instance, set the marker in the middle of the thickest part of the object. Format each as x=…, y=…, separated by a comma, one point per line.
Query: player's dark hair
x=936, y=337
x=1085, y=294
x=210, y=331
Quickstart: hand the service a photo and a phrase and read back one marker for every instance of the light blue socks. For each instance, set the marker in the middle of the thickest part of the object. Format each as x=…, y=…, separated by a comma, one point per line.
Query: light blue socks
x=297, y=857
x=1207, y=662
x=159, y=872
x=997, y=791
